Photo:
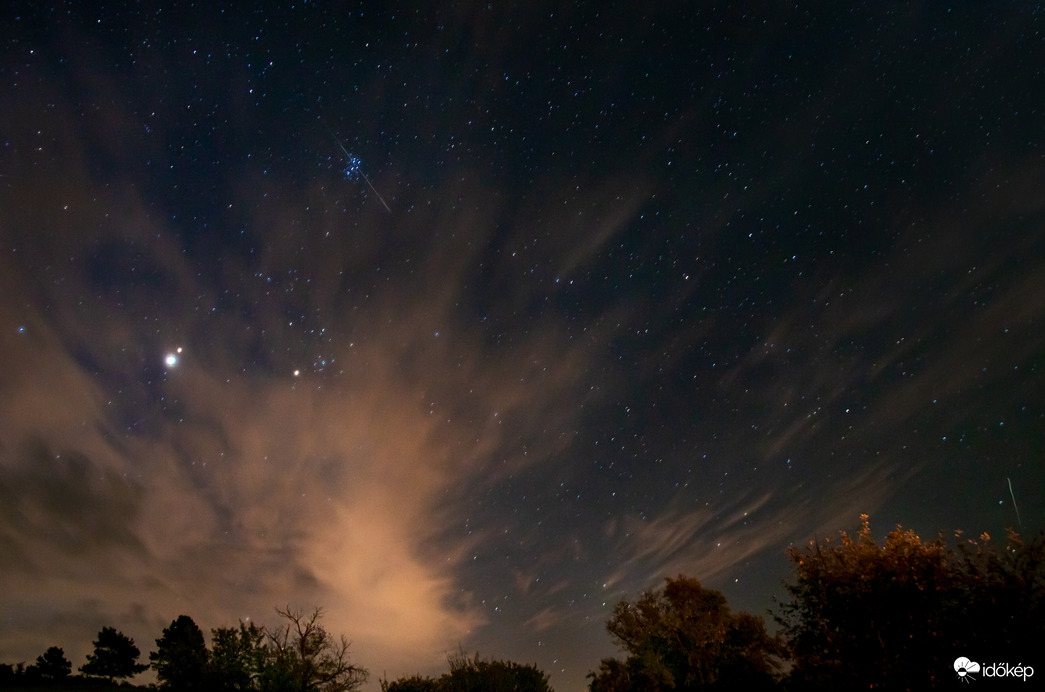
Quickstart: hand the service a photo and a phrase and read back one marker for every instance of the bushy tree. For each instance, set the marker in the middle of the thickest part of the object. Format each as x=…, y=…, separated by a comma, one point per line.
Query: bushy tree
x=303, y=656
x=180, y=659
x=1004, y=597
x=615, y=675
x=896, y=615
x=473, y=674
x=236, y=659
x=414, y=683
x=53, y=665
x=9, y=675
x=476, y=675
x=685, y=637
x=115, y=656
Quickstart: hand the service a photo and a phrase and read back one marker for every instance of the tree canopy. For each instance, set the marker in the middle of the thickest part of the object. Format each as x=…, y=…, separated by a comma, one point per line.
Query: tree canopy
x=473, y=674
x=53, y=665
x=180, y=659
x=236, y=658
x=114, y=656
x=302, y=656
x=896, y=615
x=685, y=637
x=858, y=614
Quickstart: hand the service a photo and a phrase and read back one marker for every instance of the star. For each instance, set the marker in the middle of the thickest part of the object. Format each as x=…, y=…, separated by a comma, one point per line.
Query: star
x=172, y=358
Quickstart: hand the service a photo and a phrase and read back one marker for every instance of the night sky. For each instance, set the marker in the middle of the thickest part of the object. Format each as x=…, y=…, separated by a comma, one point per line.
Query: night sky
x=482, y=319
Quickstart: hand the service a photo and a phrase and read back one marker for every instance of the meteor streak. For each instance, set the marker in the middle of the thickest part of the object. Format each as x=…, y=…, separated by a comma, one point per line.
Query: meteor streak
x=1013, y=496
x=354, y=166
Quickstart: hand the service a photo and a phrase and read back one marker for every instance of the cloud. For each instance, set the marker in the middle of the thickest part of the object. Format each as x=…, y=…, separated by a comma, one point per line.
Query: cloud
x=65, y=503
x=719, y=541
x=702, y=543
x=250, y=496
x=229, y=484
x=546, y=618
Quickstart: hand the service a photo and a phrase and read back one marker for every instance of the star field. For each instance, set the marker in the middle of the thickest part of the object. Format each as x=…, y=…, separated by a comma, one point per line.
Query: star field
x=644, y=291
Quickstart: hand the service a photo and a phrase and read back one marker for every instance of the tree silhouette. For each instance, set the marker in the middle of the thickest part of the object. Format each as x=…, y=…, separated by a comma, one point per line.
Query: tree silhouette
x=686, y=637
x=53, y=665
x=8, y=675
x=303, y=656
x=180, y=659
x=614, y=675
x=896, y=615
x=414, y=683
x=115, y=656
x=475, y=675
x=237, y=658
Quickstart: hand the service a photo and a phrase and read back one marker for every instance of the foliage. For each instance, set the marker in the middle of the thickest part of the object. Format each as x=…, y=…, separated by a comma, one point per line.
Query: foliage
x=236, y=659
x=115, y=656
x=180, y=659
x=614, y=675
x=9, y=675
x=298, y=656
x=894, y=615
x=859, y=614
x=53, y=665
x=1004, y=596
x=475, y=675
x=414, y=683
x=303, y=656
x=686, y=637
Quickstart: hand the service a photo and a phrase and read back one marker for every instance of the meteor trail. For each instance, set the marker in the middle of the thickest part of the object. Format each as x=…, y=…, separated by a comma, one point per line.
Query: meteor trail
x=1013, y=496
x=354, y=167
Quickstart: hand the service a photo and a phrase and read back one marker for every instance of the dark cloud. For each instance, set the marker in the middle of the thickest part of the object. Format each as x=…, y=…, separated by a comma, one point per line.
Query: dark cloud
x=65, y=504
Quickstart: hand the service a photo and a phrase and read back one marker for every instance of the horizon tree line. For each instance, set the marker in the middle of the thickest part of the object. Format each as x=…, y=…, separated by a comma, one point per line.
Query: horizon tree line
x=858, y=615
x=299, y=655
